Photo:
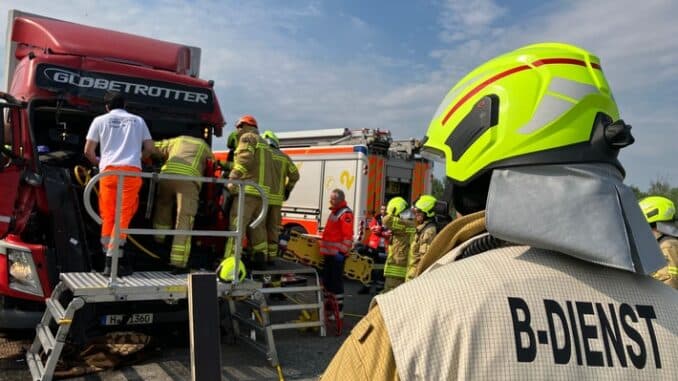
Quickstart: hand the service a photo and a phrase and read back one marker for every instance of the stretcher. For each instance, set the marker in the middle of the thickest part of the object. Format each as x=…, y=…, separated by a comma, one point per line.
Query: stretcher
x=305, y=249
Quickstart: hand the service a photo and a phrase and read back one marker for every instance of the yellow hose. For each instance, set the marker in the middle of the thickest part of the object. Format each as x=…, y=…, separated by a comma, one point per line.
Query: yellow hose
x=78, y=170
x=280, y=373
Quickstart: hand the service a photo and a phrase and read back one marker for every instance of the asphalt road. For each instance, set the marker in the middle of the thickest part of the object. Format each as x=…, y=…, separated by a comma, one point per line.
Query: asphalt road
x=302, y=355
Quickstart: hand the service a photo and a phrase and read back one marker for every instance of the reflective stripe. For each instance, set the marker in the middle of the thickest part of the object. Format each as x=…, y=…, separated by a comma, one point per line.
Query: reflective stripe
x=260, y=247
x=673, y=270
x=240, y=168
x=572, y=89
x=395, y=271
x=561, y=96
x=180, y=169
x=5, y=219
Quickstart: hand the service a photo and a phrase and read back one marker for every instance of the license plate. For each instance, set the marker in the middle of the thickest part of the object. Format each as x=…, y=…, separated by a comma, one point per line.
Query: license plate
x=134, y=319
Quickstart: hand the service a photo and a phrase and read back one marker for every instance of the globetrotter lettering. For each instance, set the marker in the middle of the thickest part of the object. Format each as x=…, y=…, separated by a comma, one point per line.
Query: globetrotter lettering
x=586, y=333
x=72, y=78
x=93, y=85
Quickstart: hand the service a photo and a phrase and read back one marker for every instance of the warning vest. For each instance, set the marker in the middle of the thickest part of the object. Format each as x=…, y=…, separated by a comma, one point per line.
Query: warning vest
x=337, y=237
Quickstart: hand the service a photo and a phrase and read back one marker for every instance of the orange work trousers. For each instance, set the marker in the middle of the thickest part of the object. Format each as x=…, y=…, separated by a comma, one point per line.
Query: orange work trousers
x=108, y=188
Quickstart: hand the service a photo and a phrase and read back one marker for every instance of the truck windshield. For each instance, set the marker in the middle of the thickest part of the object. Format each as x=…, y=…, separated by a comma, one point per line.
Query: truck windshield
x=60, y=130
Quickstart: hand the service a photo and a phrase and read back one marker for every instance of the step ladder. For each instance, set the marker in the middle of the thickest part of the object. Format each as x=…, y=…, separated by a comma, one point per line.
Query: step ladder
x=45, y=351
x=48, y=345
x=251, y=316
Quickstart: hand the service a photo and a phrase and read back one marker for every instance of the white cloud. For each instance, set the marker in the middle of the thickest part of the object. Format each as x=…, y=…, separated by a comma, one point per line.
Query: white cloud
x=265, y=62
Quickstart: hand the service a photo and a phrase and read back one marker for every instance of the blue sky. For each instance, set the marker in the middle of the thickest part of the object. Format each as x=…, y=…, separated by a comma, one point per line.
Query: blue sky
x=301, y=65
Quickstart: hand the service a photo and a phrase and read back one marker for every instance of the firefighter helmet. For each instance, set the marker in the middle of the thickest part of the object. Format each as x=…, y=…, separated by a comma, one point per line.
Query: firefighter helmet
x=426, y=204
x=396, y=206
x=546, y=103
x=225, y=270
x=658, y=209
x=271, y=138
x=247, y=119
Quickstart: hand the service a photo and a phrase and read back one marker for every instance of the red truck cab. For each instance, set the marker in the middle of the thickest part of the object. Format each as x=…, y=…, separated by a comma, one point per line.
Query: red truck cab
x=57, y=73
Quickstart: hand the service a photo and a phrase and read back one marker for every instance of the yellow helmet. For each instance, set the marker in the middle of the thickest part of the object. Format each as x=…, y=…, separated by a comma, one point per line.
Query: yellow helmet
x=546, y=103
x=426, y=203
x=271, y=138
x=226, y=267
x=396, y=206
x=657, y=209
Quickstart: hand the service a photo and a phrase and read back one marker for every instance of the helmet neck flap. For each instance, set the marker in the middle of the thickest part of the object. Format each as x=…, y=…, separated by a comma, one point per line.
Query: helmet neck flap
x=581, y=210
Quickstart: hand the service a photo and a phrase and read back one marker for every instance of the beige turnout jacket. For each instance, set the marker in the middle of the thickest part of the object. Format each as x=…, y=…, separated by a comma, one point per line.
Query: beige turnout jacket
x=515, y=313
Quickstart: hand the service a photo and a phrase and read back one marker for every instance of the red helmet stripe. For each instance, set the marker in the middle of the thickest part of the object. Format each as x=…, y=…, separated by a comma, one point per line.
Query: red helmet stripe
x=546, y=61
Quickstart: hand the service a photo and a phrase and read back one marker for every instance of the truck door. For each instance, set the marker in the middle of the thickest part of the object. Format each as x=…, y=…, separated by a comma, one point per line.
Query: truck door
x=11, y=165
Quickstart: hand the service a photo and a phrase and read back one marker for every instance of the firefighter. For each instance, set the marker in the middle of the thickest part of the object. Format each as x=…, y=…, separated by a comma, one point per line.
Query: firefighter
x=183, y=155
x=121, y=136
x=545, y=275
x=660, y=213
x=284, y=175
x=402, y=231
x=335, y=244
x=249, y=164
x=376, y=249
x=426, y=230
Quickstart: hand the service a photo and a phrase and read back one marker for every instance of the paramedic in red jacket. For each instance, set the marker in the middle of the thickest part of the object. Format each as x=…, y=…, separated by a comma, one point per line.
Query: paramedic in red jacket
x=336, y=242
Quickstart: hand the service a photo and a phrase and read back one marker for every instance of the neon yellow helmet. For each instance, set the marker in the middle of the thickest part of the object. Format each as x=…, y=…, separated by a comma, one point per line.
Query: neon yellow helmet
x=226, y=267
x=546, y=103
x=426, y=203
x=271, y=138
x=232, y=140
x=396, y=206
x=657, y=209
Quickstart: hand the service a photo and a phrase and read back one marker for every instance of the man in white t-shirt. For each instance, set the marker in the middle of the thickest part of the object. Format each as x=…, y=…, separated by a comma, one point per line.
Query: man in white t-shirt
x=121, y=136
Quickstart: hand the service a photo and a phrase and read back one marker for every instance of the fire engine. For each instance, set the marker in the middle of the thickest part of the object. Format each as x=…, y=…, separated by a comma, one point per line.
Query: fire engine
x=367, y=164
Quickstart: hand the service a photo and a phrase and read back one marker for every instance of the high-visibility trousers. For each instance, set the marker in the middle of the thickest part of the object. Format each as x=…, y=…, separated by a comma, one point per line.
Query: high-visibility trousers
x=185, y=195
x=108, y=186
x=273, y=220
x=256, y=237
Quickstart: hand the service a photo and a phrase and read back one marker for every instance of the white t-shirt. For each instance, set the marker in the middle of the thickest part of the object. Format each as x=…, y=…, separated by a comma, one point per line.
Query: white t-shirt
x=121, y=136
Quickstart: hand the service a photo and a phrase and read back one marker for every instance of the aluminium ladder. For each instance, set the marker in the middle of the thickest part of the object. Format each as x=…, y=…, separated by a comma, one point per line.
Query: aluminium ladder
x=256, y=316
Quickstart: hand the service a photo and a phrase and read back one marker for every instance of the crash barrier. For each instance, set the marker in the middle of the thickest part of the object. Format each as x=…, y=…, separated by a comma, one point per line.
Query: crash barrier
x=90, y=287
x=305, y=249
x=253, y=318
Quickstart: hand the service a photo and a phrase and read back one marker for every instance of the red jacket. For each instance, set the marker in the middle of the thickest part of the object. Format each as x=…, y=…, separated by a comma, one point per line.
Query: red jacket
x=378, y=234
x=337, y=236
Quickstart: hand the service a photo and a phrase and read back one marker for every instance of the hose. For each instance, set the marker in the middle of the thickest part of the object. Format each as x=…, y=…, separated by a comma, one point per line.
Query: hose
x=78, y=171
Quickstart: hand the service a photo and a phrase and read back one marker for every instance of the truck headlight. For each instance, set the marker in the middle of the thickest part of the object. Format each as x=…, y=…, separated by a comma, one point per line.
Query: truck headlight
x=23, y=275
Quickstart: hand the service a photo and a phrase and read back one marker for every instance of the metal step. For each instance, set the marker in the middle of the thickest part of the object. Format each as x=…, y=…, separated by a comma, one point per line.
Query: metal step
x=56, y=309
x=293, y=307
x=46, y=337
x=35, y=366
x=273, y=290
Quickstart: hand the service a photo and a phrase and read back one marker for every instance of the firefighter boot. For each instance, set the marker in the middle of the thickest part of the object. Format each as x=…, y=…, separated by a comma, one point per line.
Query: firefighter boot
x=258, y=261
x=124, y=264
